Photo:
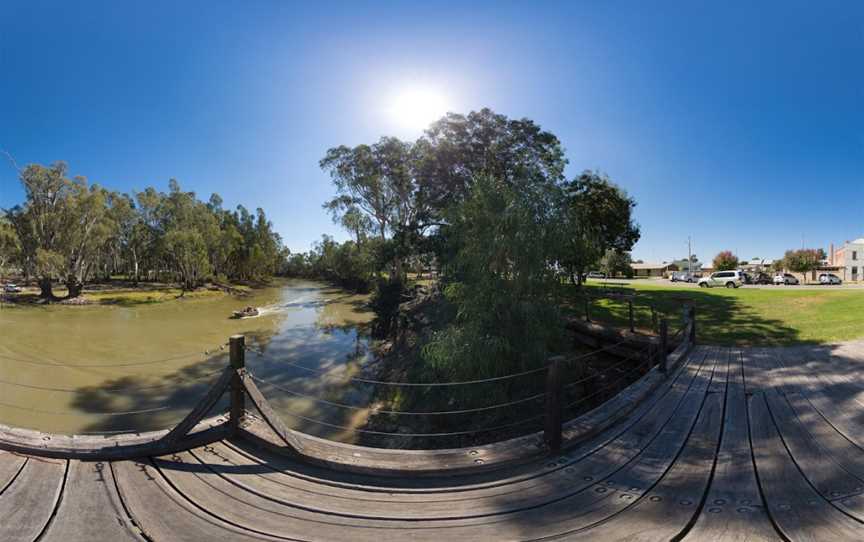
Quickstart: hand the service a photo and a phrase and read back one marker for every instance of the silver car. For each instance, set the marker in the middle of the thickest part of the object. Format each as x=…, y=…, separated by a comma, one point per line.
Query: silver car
x=729, y=279
x=829, y=278
x=786, y=279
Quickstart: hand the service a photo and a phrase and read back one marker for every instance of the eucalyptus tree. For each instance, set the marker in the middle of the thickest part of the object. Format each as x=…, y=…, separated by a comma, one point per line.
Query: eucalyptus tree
x=10, y=247
x=596, y=215
x=61, y=227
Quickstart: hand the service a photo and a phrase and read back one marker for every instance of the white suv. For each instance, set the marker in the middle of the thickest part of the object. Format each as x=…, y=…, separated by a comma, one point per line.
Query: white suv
x=785, y=279
x=729, y=279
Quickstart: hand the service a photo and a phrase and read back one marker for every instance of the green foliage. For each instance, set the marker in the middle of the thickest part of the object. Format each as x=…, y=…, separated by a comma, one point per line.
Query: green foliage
x=803, y=260
x=501, y=284
x=10, y=246
x=615, y=262
x=596, y=216
x=68, y=230
x=725, y=261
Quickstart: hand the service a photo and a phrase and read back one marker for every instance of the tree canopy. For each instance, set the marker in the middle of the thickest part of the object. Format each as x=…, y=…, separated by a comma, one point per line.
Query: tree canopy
x=803, y=260
x=71, y=231
x=725, y=261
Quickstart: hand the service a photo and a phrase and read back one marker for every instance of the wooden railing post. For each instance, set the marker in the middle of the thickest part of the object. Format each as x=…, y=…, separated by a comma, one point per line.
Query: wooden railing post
x=238, y=394
x=630, y=311
x=664, y=345
x=587, y=309
x=692, y=317
x=553, y=420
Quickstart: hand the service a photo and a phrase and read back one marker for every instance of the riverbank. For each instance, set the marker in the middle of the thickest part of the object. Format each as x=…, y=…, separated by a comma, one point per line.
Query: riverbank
x=128, y=294
x=473, y=420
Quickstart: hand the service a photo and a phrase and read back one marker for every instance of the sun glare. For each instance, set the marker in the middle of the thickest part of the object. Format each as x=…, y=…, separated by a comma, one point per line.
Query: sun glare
x=415, y=109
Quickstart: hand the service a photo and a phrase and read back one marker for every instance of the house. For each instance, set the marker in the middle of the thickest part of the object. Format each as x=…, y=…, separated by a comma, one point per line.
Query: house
x=653, y=269
x=685, y=265
x=756, y=265
x=848, y=260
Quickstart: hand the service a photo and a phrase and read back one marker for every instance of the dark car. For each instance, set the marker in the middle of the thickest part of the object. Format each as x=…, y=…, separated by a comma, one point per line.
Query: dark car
x=762, y=278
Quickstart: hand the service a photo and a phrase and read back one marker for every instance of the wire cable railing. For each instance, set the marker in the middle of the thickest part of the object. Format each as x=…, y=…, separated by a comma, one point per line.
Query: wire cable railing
x=52, y=363
x=603, y=379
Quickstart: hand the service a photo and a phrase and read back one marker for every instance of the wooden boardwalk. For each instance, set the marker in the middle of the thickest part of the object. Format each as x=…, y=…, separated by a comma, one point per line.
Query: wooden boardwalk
x=755, y=444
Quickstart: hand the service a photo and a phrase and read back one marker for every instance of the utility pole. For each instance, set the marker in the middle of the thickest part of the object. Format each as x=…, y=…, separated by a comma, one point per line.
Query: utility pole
x=689, y=258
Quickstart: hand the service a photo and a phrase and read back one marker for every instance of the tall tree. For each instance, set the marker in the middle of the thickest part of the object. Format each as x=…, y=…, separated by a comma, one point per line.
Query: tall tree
x=615, y=262
x=458, y=149
x=502, y=284
x=596, y=216
x=62, y=225
x=10, y=247
x=725, y=261
x=803, y=260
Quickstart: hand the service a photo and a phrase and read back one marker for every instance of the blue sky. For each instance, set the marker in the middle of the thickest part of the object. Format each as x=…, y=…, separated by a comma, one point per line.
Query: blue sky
x=739, y=123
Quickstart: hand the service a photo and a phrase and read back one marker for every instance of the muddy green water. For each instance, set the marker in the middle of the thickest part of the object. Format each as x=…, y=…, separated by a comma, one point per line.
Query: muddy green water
x=109, y=368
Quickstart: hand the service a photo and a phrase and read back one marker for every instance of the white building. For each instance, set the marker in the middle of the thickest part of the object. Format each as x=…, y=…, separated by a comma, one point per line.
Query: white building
x=849, y=259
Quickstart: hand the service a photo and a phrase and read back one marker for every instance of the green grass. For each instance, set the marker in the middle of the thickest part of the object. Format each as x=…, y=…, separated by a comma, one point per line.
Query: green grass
x=133, y=297
x=742, y=317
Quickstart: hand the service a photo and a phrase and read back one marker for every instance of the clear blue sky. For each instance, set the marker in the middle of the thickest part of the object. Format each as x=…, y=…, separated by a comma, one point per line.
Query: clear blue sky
x=741, y=124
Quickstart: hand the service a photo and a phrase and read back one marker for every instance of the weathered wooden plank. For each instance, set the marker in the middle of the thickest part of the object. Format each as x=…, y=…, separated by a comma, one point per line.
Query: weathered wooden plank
x=162, y=514
x=506, y=454
x=663, y=512
x=200, y=486
x=10, y=467
x=27, y=505
x=668, y=394
x=733, y=509
x=274, y=422
x=201, y=409
x=93, y=447
x=90, y=508
x=797, y=509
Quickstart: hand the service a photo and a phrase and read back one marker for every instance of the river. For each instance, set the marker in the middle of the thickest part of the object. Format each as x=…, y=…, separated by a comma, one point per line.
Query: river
x=104, y=369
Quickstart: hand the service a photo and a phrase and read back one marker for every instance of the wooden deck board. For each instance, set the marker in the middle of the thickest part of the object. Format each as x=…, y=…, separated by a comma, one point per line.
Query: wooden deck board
x=27, y=505
x=737, y=444
x=90, y=508
x=733, y=509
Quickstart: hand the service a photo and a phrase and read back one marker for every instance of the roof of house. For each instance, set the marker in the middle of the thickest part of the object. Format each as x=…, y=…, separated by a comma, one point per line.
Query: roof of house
x=651, y=265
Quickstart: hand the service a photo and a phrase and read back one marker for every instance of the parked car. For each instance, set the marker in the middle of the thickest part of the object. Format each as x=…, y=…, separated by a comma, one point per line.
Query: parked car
x=829, y=278
x=11, y=288
x=762, y=278
x=596, y=275
x=682, y=276
x=729, y=279
x=785, y=278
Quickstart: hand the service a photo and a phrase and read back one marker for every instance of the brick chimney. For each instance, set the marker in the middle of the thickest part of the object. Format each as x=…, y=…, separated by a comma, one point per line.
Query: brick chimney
x=831, y=255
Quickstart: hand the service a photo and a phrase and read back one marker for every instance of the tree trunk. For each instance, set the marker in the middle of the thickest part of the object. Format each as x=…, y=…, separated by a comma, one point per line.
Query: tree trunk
x=74, y=287
x=46, y=289
x=134, y=268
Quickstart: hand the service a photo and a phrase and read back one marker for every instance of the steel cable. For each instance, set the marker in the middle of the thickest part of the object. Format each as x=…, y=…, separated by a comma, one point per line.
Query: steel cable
x=399, y=412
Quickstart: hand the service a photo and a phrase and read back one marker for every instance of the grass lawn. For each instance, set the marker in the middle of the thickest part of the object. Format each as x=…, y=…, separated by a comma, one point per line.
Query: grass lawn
x=743, y=317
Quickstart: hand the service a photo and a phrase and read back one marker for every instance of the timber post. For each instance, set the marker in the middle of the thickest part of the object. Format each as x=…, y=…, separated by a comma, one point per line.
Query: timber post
x=238, y=392
x=630, y=313
x=692, y=317
x=553, y=418
x=587, y=308
x=664, y=345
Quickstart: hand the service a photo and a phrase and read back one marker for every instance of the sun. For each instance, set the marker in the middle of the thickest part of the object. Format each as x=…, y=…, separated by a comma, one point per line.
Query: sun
x=416, y=108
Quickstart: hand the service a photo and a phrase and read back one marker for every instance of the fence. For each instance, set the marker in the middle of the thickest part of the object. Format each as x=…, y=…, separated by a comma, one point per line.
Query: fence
x=241, y=385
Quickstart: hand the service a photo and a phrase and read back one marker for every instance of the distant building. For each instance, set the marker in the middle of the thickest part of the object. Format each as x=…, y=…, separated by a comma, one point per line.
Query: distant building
x=848, y=260
x=756, y=265
x=685, y=265
x=653, y=269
